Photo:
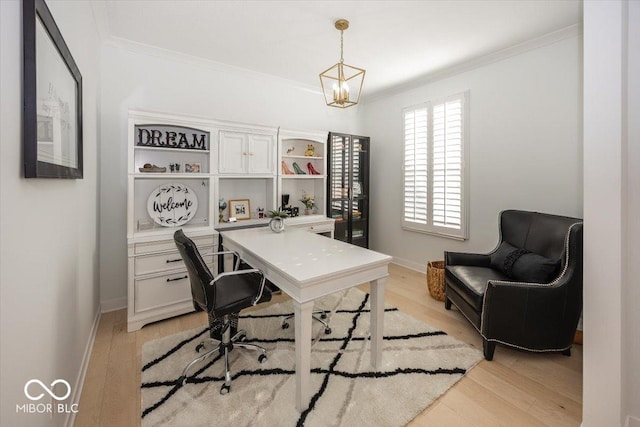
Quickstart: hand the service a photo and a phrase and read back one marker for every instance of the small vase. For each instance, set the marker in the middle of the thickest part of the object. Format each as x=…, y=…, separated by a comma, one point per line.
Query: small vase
x=307, y=211
x=276, y=224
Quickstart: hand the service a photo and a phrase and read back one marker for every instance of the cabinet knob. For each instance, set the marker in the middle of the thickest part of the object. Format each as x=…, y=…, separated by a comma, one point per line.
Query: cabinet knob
x=251, y=153
x=244, y=153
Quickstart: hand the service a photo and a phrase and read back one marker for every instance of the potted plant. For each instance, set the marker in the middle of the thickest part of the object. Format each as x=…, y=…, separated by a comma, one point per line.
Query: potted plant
x=276, y=224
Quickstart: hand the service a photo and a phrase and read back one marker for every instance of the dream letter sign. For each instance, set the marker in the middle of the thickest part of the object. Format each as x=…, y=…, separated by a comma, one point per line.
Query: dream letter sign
x=171, y=137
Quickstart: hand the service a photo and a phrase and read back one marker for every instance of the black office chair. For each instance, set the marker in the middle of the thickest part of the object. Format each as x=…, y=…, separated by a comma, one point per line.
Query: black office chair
x=222, y=297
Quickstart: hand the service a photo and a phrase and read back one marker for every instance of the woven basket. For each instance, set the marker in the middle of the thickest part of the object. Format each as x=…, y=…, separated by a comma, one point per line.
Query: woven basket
x=435, y=279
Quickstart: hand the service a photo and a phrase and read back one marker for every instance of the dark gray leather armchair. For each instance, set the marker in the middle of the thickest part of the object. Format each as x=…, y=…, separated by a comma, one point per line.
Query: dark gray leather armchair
x=526, y=293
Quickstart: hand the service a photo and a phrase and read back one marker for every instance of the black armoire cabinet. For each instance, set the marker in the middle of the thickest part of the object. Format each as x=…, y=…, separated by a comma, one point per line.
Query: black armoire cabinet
x=348, y=187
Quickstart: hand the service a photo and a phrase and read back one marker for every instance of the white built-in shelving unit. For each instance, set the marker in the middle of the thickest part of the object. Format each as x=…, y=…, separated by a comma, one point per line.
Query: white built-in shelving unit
x=230, y=161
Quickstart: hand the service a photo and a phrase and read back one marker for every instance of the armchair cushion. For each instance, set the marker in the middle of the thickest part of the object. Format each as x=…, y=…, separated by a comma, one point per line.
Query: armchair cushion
x=523, y=265
x=472, y=281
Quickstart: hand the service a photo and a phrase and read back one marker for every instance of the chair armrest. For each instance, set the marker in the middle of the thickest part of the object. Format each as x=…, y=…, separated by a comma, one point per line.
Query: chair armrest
x=459, y=258
x=239, y=272
x=234, y=253
x=532, y=315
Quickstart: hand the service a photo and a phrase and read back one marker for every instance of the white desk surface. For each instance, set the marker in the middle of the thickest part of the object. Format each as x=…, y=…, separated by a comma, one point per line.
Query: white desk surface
x=302, y=256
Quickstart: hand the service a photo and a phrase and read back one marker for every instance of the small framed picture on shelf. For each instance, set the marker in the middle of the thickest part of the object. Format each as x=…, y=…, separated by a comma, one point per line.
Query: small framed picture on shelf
x=145, y=224
x=192, y=168
x=240, y=209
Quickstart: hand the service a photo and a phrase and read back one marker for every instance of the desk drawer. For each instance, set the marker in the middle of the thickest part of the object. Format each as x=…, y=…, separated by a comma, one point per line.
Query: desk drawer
x=169, y=244
x=315, y=228
x=162, y=291
x=145, y=264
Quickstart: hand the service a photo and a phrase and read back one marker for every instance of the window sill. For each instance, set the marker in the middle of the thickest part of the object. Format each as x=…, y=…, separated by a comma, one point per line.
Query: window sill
x=434, y=233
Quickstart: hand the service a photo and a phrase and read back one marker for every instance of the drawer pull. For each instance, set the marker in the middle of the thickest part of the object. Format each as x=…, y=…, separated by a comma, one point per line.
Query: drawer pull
x=177, y=278
x=174, y=260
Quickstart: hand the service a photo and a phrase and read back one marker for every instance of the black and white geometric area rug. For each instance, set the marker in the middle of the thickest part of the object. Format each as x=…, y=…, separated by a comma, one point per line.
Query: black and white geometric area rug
x=419, y=364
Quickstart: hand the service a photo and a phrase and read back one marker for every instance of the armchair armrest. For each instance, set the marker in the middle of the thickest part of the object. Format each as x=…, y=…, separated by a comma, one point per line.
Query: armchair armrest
x=460, y=258
x=240, y=272
x=531, y=315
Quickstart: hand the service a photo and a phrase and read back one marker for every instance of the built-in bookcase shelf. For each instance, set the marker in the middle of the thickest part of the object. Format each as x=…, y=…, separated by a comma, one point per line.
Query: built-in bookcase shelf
x=196, y=166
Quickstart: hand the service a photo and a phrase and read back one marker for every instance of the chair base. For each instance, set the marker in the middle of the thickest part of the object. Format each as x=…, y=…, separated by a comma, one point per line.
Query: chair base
x=318, y=315
x=224, y=347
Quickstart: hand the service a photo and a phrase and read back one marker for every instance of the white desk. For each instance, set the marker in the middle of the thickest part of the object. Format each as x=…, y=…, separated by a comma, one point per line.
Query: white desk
x=307, y=266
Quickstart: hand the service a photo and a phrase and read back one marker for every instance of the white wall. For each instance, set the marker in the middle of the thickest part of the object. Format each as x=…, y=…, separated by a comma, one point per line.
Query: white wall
x=525, y=148
x=48, y=227
x=159, y=81
x=611, y=383
x=631, y=293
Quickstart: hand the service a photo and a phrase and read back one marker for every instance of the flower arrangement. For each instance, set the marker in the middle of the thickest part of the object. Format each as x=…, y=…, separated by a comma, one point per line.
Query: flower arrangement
x=308, y=201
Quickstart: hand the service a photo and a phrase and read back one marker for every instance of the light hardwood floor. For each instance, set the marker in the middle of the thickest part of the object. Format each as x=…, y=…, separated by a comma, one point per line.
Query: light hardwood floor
x=515, y=389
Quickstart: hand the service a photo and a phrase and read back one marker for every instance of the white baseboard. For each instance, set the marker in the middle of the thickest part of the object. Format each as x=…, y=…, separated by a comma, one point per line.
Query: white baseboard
x=632, y=421
x=411, y=265
x=113, y=304
x=84, y=366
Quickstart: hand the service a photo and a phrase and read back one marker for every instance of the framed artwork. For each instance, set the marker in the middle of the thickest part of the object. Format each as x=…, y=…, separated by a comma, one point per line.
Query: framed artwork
x=240, y=209
x=191, y=168
x=52, y=90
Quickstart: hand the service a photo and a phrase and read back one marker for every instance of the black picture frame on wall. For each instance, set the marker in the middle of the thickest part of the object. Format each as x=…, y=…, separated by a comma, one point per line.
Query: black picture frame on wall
x=52, y=90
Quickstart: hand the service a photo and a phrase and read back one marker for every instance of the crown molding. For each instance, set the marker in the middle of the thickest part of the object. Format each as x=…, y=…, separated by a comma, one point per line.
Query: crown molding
x=100, y=17
x=479, y=61
x=196, y=61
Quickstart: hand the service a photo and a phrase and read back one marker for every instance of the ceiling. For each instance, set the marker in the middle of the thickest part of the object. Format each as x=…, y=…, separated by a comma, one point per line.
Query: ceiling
x=395, y=41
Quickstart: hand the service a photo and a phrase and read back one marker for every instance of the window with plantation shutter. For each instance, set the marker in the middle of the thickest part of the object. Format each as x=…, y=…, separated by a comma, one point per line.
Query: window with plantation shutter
x=415, y=165
x=434, y=190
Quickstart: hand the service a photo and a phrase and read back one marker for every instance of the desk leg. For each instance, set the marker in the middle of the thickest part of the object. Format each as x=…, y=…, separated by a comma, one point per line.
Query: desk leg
x=377, y=321
x=302, y=313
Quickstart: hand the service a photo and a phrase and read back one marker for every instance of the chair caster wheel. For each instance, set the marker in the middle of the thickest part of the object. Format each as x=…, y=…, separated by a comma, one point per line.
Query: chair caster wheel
x=285, y=326
x=242, y=337
x=199, y=347
x=225, y=389
x=327, y=331
x=181, y=381
x=323, y=316
x=262, y=358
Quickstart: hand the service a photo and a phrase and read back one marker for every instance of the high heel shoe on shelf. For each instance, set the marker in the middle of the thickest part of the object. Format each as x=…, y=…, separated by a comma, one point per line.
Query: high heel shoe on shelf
x=286, y=170
x=298, y=170
x=312, y=170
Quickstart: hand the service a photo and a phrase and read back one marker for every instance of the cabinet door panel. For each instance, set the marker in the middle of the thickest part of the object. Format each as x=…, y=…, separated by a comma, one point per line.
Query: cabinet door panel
x=261, y=154
x=232, y=156
x=348, y=187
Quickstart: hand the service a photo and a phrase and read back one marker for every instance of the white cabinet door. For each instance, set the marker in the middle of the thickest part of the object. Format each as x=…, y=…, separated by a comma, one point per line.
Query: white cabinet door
x=261, y=154
x=233, y=153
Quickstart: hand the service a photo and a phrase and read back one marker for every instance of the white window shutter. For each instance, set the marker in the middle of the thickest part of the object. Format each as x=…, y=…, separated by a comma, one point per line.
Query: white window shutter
x=415, y=166
x=447, y=164
x=434, y=180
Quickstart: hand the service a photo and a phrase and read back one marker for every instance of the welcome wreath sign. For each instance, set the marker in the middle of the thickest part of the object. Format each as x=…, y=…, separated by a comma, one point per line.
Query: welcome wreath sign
x=172, y=205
